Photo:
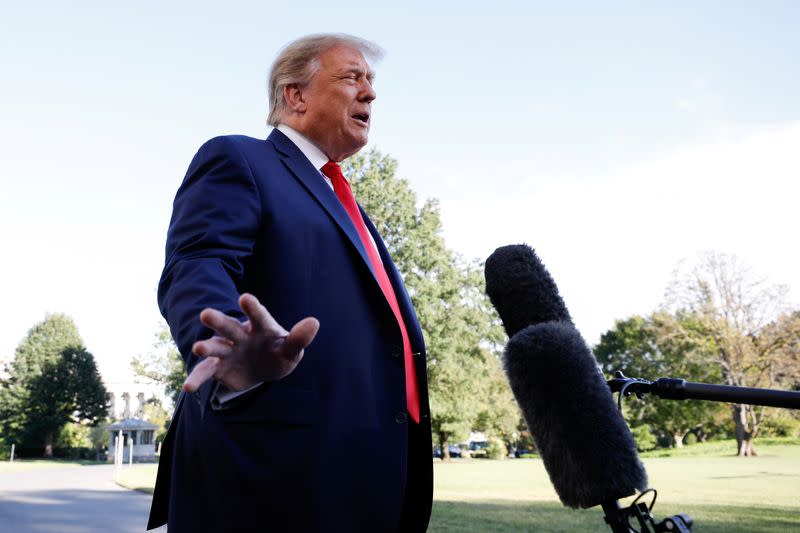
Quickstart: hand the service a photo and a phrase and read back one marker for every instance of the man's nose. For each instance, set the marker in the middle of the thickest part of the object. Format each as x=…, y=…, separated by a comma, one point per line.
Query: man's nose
x=367, y=92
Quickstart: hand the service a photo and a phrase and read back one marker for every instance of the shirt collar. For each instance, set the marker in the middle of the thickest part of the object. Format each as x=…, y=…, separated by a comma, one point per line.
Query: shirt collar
x=309, y=149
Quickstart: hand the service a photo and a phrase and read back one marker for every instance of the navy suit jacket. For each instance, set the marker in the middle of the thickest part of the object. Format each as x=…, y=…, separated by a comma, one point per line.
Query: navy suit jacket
x=327, y=448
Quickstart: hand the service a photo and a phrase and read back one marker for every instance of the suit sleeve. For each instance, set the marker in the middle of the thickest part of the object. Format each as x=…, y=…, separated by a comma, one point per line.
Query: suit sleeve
x=215, y=221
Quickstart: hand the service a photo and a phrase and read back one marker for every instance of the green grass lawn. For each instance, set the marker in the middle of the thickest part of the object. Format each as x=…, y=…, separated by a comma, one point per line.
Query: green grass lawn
x=22, y=465
x=722, y=493
x=138, y=477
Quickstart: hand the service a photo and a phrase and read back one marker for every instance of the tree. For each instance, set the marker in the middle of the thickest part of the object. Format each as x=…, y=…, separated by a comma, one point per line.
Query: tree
x=498, y=415
x=659, y=346
x=163, y=365
x=98, y=435
x=74, y=435
x=754, y=341
x=155, y=413
x=462, y=333
x=42, y=346
x=68, y=389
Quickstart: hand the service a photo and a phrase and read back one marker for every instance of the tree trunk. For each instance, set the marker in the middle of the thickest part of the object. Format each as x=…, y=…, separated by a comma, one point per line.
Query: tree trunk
x=48, y=444
x=677, y=439
x=443, y=447
x=701, y=435
x=744, y=435
x=746, y=449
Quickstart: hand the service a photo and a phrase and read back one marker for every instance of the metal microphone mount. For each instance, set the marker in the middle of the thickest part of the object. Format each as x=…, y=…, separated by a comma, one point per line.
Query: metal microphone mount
x=619, y=518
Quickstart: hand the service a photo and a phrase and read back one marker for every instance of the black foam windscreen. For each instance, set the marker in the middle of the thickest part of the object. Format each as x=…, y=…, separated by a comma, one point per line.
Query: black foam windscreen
x=583, y=440
x=585, y=444
x=521, y=289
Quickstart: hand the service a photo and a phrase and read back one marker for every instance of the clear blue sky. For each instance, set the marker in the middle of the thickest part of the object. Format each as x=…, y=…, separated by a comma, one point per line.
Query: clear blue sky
x=615, y=139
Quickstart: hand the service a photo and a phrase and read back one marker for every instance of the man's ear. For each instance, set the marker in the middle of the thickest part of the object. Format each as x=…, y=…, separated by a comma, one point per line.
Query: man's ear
x=294, y=97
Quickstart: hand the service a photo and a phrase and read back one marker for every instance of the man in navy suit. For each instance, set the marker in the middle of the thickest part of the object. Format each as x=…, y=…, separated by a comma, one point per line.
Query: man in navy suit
x=274, y=432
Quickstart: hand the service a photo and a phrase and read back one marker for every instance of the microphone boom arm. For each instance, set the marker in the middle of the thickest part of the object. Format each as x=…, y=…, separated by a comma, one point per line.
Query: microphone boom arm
x=680, y=389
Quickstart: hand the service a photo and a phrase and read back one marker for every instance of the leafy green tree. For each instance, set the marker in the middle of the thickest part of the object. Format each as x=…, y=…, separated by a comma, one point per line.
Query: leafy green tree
x=74, y=435
x=68, y=389
x=98, y=435
x=42, y=346
x=9, y=415
x=498, y=415
x=496, y=448
x=163, y=365
x=662, y=345
x=755, y=340
x=645, y=440
x=461, y=332
x=154, y=412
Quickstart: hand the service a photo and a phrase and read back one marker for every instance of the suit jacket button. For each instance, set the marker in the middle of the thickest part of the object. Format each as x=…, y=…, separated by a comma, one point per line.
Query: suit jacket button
x=401, y=417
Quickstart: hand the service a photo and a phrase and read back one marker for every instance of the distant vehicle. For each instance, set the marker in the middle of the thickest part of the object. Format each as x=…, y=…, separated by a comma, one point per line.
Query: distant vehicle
x=454, y=449
x=478, y=449
x=478, y=445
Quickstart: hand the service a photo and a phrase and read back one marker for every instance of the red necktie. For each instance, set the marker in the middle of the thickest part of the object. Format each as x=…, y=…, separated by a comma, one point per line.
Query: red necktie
x=342, y=189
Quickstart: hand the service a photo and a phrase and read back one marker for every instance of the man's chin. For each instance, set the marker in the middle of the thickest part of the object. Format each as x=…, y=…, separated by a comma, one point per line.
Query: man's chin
x=354, y=147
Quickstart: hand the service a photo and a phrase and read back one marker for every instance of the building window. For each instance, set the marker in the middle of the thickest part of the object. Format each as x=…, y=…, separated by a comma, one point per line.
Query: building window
x=147, y=436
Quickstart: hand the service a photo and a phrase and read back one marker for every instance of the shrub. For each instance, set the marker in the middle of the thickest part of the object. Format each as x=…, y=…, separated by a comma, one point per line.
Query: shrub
x=645, y=440
x=690, y=439
x=781, y=426
x=5, y=449
x=496, y=449
x=99, y=436
x=76, y=453
x=73, y=435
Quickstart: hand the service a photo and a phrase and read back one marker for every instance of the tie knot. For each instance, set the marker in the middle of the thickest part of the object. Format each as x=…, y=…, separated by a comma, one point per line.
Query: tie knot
x=333, y=171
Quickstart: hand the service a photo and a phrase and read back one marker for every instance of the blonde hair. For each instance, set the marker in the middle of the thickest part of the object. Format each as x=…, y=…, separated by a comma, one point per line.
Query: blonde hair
x=299, y=61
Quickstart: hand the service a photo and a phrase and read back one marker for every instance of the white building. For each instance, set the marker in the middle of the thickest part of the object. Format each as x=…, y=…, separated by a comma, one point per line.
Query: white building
x=126, y=399
x=138, y=440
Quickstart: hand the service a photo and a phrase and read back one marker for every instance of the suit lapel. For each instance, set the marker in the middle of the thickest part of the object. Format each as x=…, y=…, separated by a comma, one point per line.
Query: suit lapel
x=302, y=169
x=299, y=165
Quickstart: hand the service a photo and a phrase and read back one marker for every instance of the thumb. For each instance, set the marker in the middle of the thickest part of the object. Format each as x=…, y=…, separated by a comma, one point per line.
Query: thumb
x=300, y=337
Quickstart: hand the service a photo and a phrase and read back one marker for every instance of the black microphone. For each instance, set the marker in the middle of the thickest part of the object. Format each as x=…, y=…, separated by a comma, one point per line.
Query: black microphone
x=585, y=444
x=521, y=289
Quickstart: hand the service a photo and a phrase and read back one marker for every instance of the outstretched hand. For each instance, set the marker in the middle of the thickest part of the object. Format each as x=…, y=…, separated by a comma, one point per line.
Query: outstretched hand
x=242, y=354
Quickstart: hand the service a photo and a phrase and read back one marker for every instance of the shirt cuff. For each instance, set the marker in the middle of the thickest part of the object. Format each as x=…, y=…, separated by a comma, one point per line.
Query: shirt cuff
x=223, y=394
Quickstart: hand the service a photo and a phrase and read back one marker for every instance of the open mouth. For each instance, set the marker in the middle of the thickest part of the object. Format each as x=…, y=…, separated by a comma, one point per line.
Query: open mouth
x=362, y=117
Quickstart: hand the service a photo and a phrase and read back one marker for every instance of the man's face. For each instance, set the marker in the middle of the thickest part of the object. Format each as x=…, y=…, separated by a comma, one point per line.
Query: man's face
x=338, y=101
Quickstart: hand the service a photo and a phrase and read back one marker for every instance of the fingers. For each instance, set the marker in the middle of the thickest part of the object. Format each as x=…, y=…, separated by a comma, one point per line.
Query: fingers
x=202, y=372
x=300, y=337
x=211, y=350
x=224, y=325
x=213, y=347
x=256, y=350
x=260, y=319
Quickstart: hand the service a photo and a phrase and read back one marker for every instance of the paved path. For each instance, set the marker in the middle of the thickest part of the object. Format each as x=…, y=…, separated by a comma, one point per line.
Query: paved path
x=70, y=500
